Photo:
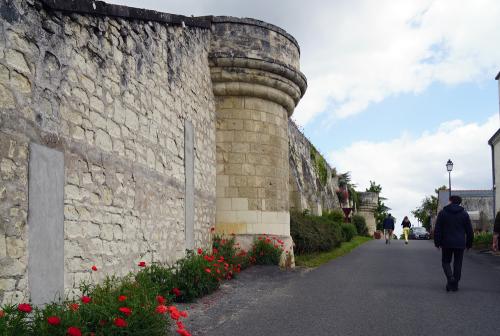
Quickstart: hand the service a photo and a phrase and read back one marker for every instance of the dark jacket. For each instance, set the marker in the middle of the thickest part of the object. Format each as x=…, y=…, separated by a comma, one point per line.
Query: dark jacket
x=406, y=224
x=496, y=227
x=453, y=228
x=388, y=223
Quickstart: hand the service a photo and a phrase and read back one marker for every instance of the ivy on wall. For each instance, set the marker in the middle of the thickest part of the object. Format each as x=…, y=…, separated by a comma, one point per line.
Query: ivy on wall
x=319, y=165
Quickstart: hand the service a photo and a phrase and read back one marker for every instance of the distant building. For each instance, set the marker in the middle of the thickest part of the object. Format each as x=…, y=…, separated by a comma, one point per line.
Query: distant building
x=495, y=159
x=478, y=203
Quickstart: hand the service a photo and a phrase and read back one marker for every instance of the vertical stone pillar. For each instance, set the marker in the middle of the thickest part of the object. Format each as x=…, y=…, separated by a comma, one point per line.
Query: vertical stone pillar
x=257, y=84
x=368, y=202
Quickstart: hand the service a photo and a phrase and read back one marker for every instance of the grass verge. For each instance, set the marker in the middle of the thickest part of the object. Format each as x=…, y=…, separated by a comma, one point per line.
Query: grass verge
x=317, y=259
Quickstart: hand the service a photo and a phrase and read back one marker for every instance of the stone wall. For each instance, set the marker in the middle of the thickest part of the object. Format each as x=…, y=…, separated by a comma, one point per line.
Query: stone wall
x=257, y=83
x=113, y=95
x=307, y=189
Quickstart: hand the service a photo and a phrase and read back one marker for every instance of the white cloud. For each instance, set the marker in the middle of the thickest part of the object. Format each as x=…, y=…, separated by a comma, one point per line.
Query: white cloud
x=359, y=52
x=409, y=168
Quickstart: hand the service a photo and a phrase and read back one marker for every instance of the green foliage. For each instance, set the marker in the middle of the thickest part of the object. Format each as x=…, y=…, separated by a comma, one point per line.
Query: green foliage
x=482, y=240
x=348, y=231
x=267, y=251
x=96, y=312
x=335, y=215
x=319, y=165
x=314, y=233
x=360, y=224
x=317, y=259
x=345, y=184
x=427, y=209
x=382, y=210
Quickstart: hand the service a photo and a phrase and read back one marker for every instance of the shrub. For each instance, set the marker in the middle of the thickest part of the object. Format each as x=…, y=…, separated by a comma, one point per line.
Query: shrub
x=348, y=231
x=266, y=251
x=336, y=216
x=482, y=240
x=118, y=306
x=360, y=224
x=314, y=233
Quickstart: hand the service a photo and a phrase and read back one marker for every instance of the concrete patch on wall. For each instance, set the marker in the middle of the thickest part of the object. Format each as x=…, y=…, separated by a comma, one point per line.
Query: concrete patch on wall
x=46, y=224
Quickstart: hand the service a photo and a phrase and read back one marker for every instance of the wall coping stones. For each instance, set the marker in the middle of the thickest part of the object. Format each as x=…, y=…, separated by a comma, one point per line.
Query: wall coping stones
x=104, y=9
x=254, y=22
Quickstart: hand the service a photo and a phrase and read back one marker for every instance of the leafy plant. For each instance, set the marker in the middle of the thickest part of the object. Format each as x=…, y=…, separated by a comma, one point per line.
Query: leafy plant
x=314, y=233
x=319, y=165
x=267, y=251
x=360, y=224
x=482, y=240
x=348, y=231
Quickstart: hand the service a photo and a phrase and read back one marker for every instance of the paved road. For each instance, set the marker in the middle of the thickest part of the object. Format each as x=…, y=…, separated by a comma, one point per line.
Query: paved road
x=375, y=290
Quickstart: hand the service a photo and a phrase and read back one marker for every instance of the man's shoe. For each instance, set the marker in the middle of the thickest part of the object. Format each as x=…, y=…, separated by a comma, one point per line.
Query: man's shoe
x=451, y=285
x=406, y=242
x=387, y=241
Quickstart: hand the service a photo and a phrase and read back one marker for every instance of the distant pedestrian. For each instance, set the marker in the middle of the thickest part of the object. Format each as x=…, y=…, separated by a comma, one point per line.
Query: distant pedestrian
x=388, y=228
x=406, y=228
x=496, y=233
x=453, y=233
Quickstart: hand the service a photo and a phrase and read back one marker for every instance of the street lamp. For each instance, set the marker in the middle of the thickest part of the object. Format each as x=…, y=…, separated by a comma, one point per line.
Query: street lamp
x=449, y=168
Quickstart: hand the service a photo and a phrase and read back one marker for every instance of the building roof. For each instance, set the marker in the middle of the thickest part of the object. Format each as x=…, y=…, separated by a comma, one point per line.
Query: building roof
x=470, y=192
x=494, y=139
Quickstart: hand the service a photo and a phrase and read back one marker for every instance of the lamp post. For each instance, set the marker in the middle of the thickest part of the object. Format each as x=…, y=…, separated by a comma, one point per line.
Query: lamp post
x=449, y=168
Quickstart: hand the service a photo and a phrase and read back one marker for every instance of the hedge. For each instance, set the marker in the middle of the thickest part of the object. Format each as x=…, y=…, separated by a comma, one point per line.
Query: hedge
x=314, y=233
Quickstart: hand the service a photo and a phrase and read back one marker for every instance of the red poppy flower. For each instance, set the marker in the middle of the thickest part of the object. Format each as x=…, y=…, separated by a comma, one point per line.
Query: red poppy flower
x=120, y=323
x=176, y=291
x=24, y=307
x=73, y=331
x=122, y=298
x=94, y=268
x=53, y=320
x=215, y=251
x=160, y=299
x=180, y=325
x=175, y=315
x=74, y=306
x=2, y=313
x=183, y=314
x=212, y=229
x=142, y=264
x=183, y=332
x=200, y=251
x=86, y=299
x=126, y=310
x=208, y=270
x=161, y=309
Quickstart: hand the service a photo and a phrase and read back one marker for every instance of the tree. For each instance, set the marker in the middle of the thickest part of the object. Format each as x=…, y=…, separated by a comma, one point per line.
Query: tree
x=347, y=190
x=382, y=210
x=427, y=209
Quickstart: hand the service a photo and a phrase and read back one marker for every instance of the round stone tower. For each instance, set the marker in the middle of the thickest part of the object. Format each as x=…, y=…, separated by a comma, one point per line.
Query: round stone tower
x=257, y=84
x=368, y=202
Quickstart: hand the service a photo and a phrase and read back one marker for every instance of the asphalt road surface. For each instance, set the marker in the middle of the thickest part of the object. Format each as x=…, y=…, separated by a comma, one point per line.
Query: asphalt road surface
x=377, y=289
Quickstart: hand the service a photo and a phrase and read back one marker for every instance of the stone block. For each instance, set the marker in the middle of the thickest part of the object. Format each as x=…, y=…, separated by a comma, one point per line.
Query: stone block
x=7, y=100
x=238, y=204
x=16, y=60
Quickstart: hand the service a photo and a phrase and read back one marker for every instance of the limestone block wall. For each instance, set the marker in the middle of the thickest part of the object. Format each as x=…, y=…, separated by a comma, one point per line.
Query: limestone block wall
x=368, y=202
x=257, y=84
x=113, y=94
x=306, y=188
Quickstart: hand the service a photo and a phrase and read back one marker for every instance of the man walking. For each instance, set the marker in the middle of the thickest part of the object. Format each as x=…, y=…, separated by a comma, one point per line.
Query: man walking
x=388, y=228
x=453, y=233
